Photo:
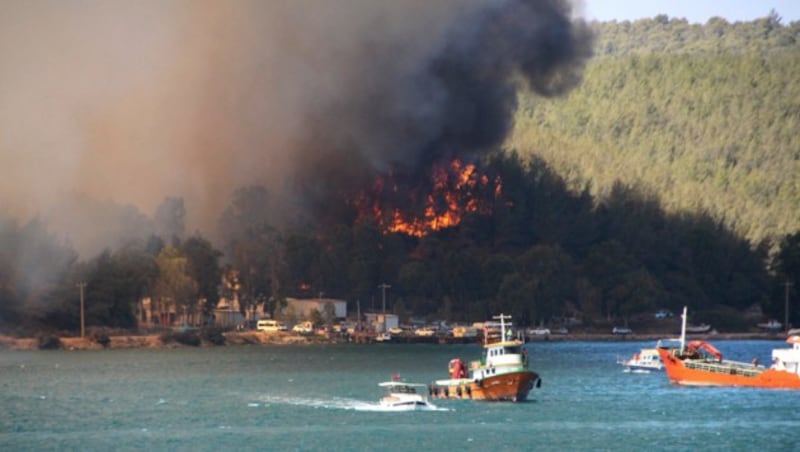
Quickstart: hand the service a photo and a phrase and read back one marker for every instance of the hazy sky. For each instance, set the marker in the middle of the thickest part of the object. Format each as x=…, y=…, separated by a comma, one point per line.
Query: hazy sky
x=693, y=10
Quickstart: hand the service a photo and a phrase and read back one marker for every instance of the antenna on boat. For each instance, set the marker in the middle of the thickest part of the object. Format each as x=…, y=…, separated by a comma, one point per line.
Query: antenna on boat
x=683, y=329
x=502, y=319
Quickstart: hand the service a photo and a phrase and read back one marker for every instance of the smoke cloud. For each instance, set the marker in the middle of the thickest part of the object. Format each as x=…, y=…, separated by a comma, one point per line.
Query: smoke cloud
x=132, y=102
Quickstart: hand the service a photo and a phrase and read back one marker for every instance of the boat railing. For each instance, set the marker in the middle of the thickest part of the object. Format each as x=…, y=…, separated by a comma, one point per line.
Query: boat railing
x=730, y=368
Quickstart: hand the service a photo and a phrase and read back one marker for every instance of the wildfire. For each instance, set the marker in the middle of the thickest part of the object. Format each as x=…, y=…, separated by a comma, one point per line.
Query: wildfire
x=455, y=190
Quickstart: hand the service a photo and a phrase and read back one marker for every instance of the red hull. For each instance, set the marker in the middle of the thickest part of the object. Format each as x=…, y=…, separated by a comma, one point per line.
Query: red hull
x=699, y=372
x=512, y=387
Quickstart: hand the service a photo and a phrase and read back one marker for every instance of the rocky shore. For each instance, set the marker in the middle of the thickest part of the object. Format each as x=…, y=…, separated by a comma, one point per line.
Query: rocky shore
x=173, y=340
x=155, y=341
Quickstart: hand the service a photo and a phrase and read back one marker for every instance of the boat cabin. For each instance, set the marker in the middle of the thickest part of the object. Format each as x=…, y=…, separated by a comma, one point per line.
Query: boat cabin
x=788, y=359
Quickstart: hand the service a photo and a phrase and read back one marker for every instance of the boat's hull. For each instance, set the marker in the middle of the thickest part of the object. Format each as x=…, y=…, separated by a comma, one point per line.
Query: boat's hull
x=418, y=406
x=700, y=373
x=697, y=330
x=512, y=386
x=635, y=368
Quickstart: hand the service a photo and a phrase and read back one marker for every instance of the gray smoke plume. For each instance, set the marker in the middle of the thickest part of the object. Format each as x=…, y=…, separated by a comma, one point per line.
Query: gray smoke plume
x=133, y=102
x=406, y=107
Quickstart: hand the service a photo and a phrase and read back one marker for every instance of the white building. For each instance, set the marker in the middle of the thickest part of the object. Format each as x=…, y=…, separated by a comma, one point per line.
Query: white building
x=381, y=322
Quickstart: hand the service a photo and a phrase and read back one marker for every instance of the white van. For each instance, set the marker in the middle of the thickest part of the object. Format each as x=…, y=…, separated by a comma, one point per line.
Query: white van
x=271, y=326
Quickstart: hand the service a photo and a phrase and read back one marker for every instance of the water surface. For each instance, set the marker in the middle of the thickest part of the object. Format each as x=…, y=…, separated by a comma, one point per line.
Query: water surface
x=325, y=398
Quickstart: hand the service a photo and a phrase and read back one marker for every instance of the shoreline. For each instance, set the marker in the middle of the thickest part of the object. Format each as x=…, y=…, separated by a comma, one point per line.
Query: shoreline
x=238, y=338
x=154, y=341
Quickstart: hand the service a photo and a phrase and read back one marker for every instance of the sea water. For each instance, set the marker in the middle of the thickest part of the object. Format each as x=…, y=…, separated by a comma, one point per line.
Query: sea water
x=325, y=397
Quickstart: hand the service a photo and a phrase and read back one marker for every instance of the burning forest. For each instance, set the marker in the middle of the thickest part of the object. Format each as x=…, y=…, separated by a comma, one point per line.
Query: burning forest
x=404, y=149
x=315, y=100
x=385, y=110
x=456, y=189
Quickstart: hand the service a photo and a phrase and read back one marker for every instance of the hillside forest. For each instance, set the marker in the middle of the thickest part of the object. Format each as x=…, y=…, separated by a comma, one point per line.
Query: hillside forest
x=670, y=177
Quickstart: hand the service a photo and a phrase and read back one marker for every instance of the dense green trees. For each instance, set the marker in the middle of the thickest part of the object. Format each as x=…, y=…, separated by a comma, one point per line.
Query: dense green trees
x=704, y=115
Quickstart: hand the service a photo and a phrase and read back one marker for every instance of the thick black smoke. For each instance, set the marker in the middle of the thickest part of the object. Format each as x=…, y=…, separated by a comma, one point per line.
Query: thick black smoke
x=457, y=99
x=125, y=104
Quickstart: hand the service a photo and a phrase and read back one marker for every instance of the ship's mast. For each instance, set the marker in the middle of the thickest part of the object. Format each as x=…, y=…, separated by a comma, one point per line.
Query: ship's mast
x=502, y=319
x=683, y=329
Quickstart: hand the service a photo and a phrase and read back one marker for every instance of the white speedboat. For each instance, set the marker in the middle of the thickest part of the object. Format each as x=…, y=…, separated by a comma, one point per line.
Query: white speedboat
x=646, y=361
x=698, y=329
x=405, y=396
x=773, y=326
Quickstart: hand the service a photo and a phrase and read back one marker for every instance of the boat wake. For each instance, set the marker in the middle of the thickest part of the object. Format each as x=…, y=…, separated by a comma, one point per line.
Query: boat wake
x=331, y=404
x=636, y=371
x=393, y=409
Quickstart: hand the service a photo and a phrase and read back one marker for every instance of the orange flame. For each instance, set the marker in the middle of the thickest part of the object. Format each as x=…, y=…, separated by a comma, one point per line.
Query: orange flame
x=455, y=191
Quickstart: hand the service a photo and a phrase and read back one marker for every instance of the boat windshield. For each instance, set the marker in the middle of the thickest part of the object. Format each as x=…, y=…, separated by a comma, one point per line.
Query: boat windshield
x=402, y=389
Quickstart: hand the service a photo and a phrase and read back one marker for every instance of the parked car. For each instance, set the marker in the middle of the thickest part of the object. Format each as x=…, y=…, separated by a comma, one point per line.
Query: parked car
x=427, y=332
x=303, y=328
x=465, y=331
x=622, y=330
x=662, y=314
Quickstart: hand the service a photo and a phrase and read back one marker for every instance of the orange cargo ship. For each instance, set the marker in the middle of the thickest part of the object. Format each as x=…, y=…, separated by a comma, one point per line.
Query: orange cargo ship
x=699, y=363
x=501, y=374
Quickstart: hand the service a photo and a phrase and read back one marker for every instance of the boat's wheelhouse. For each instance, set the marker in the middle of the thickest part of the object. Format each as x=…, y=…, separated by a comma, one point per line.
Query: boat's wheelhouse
x=498, y=359
x=502, y=355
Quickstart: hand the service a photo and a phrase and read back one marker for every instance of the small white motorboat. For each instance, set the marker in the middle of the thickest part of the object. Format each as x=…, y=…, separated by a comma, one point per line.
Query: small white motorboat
x=404, y=396
x=773, y=326
x=646, y=361
x=698, y=329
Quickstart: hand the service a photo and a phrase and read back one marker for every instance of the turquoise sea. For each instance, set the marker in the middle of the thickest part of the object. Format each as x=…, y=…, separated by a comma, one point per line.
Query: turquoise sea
x=325, y=398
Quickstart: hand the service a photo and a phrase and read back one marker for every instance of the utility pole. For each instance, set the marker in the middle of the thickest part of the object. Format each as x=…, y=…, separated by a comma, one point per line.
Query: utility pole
x=383, y=287
x=81, y=286
x=786, y=306
x=358, y=310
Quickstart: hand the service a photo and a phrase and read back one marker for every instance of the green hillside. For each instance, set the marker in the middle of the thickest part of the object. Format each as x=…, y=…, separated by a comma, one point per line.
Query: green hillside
x=706, y=117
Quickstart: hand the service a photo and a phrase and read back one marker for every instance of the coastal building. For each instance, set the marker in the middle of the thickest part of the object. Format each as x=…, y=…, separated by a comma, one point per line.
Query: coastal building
x=228, y=314
x=381, y=323
x=157, y=313
x=305, y=306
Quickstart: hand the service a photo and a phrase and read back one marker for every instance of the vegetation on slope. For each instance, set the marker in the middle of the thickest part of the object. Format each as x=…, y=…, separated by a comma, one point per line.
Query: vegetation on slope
x=704, y=116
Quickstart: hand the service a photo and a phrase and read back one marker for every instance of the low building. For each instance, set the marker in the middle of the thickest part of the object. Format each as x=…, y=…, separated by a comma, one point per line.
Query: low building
x=381, y=323
x=227, y=314
x=304, y=307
